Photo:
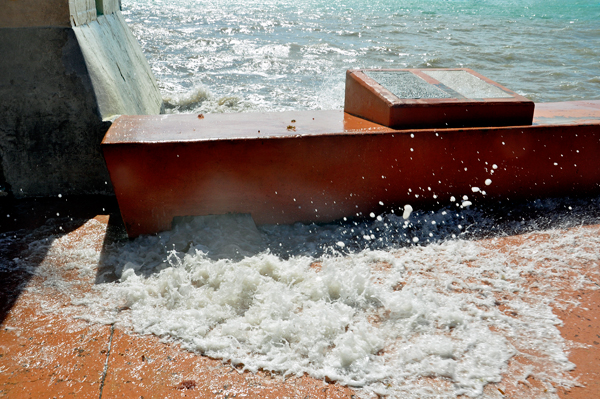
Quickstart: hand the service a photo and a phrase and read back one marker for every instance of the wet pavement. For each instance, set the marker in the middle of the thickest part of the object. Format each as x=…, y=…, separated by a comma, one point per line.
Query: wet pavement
x=46, y=350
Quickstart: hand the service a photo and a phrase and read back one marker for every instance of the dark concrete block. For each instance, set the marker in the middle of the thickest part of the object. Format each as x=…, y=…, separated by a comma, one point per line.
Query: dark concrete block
x=50, y=126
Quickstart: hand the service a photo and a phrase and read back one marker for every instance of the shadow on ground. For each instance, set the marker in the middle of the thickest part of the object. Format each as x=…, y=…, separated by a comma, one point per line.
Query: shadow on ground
x=234, y=237
x=27, y=229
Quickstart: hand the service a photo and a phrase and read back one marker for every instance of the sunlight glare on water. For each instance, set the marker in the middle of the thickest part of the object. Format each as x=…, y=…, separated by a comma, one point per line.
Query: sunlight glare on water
x=217, y=56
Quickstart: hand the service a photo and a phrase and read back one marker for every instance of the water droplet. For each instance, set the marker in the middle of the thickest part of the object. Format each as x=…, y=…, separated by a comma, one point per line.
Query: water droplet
x=407, y=211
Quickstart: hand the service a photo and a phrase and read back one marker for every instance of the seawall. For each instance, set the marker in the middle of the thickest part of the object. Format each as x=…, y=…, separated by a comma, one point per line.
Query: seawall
x=68, y=68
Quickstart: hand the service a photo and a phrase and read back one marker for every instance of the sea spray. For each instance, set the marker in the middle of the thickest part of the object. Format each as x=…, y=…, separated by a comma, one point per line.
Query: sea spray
x=199, y=99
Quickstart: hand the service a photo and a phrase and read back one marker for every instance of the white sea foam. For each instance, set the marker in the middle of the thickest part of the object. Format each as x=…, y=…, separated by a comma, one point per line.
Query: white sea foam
x=346, y=320
x=378, y=314
x=200, y=99
x=407, y=211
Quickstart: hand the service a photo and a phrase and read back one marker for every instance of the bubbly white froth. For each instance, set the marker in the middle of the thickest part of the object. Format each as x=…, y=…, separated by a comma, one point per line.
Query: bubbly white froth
x=382, y=315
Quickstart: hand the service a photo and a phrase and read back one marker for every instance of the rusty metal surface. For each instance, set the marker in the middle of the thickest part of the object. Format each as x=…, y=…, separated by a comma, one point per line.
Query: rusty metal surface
x=188, y=127
x=369, y=99
x=291, y=177
x=260, y=125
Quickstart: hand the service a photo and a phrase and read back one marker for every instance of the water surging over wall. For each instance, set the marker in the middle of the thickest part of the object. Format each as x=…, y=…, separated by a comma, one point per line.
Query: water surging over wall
x=357, y=301
x=381, y=304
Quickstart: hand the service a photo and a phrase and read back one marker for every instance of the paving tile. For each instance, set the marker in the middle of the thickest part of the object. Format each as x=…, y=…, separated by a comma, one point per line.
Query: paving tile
x=142, y=366
x=581, y=324
x=45, y=356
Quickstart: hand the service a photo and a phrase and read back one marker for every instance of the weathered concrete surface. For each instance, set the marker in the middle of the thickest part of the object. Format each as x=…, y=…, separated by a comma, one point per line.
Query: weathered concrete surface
x=65, y=13
x=50, y=125
x=30, y=13
x=65, y=75
x=120, y=74
x=104, y=7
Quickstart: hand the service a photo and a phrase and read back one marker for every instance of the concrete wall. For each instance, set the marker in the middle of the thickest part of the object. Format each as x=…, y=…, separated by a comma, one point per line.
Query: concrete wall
x=68, y=67
x=122, y=78
x=31, y=13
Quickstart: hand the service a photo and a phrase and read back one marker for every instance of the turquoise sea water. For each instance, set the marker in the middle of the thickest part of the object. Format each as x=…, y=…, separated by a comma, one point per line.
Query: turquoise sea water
x=221, y=56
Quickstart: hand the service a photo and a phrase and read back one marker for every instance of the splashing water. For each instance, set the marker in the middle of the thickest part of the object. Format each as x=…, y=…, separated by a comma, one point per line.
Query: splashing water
x=379, y=314
x=385, y=304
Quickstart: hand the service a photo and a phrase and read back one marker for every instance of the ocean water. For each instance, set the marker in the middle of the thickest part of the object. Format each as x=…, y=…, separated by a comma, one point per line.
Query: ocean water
x=271, y=55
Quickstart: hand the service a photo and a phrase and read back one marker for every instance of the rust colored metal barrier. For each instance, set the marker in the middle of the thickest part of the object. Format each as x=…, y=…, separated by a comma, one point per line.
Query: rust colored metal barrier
x=319, y=166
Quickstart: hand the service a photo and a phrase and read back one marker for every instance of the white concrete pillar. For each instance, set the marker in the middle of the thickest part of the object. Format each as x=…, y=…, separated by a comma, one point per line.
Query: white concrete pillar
x=67, y=68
